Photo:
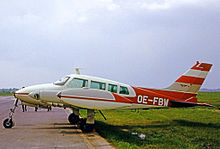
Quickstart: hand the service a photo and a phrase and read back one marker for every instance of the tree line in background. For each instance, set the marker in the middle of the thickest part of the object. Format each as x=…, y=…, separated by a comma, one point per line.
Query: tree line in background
x=8, y=90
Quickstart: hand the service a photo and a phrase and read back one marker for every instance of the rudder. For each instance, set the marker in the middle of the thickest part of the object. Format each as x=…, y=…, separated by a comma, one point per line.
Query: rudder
x=192, y=80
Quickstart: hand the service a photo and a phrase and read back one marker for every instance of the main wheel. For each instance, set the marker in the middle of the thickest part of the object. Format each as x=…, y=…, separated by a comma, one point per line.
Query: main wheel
x=8, y=123
x=86, y=127
x=73, y=119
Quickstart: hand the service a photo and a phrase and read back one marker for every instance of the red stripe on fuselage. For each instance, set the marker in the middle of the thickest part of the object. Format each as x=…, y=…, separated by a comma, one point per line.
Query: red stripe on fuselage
x=180, y=95
x=86, y=98
x=165, y=94
x=191, y=80
x=122, y=99
x=118, y=98
x=150, y=97
x=21, y=93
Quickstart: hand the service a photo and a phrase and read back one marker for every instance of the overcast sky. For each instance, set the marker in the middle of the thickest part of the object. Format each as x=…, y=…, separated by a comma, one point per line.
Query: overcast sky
x=146, y=43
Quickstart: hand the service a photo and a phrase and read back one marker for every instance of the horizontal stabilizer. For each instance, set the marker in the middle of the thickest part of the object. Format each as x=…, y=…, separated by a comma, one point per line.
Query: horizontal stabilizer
x=175, y=103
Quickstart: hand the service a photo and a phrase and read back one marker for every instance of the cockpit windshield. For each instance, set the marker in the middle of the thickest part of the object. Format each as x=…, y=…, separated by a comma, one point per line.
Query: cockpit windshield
x=62, y=81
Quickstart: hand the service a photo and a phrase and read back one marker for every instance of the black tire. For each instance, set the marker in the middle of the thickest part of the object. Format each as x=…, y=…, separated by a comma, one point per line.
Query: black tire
x=8, y=123
x=86, y=127
x=82, y=124
x=73, y=119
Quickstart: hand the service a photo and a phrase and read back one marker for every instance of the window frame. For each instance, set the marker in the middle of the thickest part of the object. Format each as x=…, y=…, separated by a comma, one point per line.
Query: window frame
x=126, y=90
x=83, y=84
x=61, y=81
x=112, y=90
x=101, y=84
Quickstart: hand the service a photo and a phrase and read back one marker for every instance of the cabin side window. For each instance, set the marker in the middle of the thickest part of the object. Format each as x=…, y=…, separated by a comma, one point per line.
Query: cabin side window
x=124, y=90
x=78, y=83
x=112, y=88
x=97, y=85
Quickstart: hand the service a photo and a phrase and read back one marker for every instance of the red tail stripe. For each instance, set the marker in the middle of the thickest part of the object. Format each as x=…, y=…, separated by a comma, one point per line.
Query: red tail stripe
x=190, y=80
x=202, y=66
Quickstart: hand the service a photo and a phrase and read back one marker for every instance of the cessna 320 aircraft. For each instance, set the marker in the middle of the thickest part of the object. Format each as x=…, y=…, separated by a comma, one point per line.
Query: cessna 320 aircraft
x=77, y=91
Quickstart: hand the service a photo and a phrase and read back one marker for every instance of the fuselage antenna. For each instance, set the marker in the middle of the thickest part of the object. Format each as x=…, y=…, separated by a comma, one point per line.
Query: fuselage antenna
x=77, y=70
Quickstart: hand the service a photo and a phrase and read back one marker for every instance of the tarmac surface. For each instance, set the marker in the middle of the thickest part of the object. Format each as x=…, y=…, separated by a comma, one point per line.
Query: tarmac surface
x=44, y=130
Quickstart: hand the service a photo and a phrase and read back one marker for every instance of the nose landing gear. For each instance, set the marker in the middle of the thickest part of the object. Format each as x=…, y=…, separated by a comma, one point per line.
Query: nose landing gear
x=8, y=122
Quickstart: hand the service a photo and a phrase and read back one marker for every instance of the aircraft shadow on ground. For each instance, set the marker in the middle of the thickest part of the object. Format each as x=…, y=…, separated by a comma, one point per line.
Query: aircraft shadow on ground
x=59, y=126
x=70, y=132
x=195, y=124
x=65, y=128
x=123, y=133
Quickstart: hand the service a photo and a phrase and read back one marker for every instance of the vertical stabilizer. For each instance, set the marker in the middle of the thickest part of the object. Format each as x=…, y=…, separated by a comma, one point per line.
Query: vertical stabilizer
x=192, y=80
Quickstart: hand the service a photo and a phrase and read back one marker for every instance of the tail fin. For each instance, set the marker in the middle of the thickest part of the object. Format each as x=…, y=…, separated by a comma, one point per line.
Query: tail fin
x=192, y=80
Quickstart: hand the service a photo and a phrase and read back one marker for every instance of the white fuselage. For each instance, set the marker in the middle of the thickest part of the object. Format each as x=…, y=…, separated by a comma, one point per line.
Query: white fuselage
x=46, y=94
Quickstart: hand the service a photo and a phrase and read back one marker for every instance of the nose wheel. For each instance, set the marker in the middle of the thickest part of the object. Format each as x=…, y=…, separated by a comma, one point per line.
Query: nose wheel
x=8, y=122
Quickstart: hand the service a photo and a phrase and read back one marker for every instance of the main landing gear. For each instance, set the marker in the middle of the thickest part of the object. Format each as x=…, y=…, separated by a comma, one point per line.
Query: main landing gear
x=86, y=125
x=8, y=122
x=74, y=117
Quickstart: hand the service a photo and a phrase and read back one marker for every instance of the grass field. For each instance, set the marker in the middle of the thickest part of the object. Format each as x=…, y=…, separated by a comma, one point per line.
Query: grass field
x=212, y=98
x=6, y=94
x=197, y=127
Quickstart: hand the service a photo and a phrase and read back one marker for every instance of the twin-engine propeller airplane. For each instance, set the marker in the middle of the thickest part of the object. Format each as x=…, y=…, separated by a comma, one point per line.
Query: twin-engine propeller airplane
x=77, y=91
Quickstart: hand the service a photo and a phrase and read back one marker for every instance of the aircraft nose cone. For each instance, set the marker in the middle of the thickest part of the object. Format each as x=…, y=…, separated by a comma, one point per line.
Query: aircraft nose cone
x=20, y=92
x=15, y=94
